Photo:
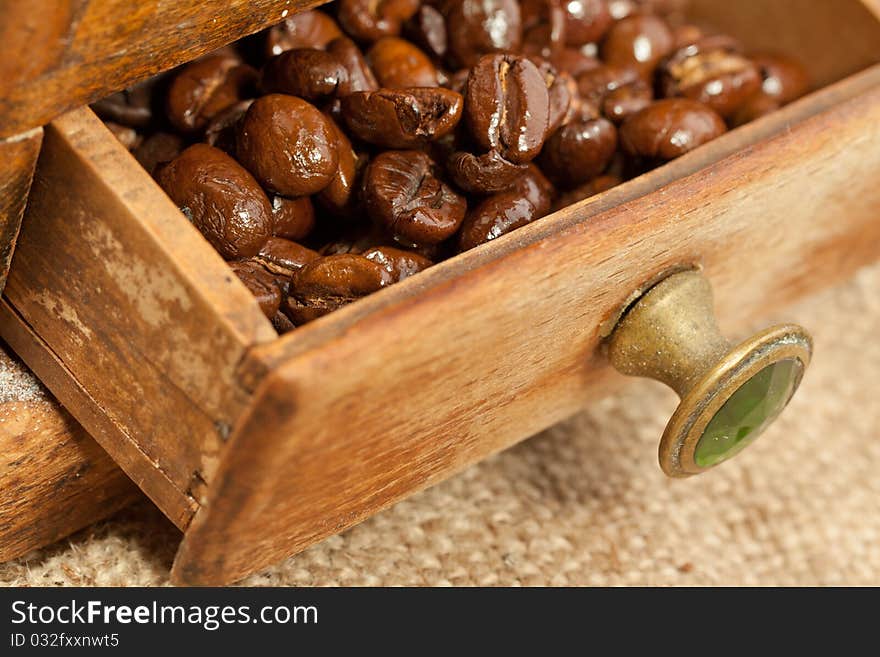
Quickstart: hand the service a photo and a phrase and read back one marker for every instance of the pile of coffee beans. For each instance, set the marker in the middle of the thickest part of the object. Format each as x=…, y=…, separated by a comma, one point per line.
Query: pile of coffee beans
x=355, y=145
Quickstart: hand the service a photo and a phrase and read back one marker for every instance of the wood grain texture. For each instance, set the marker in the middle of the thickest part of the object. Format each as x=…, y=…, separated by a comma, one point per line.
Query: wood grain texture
x=18, y=158
x=54, y=479
x=469, y=368
x=60, y=54
x=135, y=306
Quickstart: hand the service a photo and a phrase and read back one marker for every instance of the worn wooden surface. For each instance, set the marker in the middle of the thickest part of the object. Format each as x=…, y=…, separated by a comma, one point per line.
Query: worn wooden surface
x=54, y=479
x=136, y=306
x=60, y=54
x=18, y=157
x=469, y=368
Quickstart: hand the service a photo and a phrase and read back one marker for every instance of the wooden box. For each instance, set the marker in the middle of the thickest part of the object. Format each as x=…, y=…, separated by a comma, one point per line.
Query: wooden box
x=257, y=446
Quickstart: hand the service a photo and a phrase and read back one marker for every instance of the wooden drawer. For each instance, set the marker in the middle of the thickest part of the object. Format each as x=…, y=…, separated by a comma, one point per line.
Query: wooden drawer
x=257, y=446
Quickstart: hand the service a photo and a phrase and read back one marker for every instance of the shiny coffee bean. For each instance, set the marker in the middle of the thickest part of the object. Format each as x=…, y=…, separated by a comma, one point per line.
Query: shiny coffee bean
x=669, y=128
x=586, y=21
x=370, y=20
x=260, y=283
x=595, y=186
x=158, y=148
x=495, y=216
x=711, y=71
x=288, y=145
x=330, y=282
x=304, y=29
x=579, y=150
x=782, y=78
x=220, y=131
x=482, y=174
x=398, y=64
x=220, y=198
x=132, y=107
x=397, y=262
x=403, y=193
x=402, y=118
x=543, y=27
x=534, y=186
x=754, y=108
x=292, y=218
x=284, y=257
x=507, y=106
x=206, y=87
x=561, y=93
x=360, y=76
x=626, y=100
x=639, y=41
x=308, y=73
x=427, y=29
x=574, y=61
x=339, y=196
x=480, y=27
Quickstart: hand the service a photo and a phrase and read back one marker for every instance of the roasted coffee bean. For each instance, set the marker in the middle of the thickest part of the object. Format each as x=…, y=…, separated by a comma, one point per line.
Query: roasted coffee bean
x=782, y=78
x=495, y=216
x=126, y=136
x=754, y=108
x=292, y=218
x=360, y=77
x=330, y=282
x=397, y=262
x=427, y=28
x=586, y=190
x=685, y=35
x=543, y=27
x=370, y=20
x=507, y=106
x=482, y=174
x=586, y=21
x=579, y=150
x=284, y=257
x=711, y=71
x=220, y=132
x=338, y=196
x=402, y=118
x=574, y=61
x=206, y=87
x=398, y=64
x=403, y=193
x=308, y=73
x=669, y=128
x=304, y=29
x=480, y=27
x=626, y=100
x=132, y=107
x=288, y=145
x=260, y=283
x=158, y=148
x=534, y=186
x=282, y=324
x=220, y=198
x=639, y=41
x=561, y=93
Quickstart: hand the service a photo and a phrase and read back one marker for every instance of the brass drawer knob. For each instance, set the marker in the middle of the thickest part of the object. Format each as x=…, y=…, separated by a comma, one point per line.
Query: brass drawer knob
x=729, y=394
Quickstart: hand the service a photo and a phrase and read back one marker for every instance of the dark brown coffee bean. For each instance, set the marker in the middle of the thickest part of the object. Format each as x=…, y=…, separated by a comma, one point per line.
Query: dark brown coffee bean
x=282, y=324
x=507, y=106
x=288, y=145
x=399, y=64
x=586, y=21
x=397, y=262
x=402, y=193
x=360, y=77
x=132, y=107
x=754, y=108
x=402, y=118
x=260, y=283
x=126, y=136
x=534, y=186
x=308, y=73
x=669, y=128
x=206, y=87
x=304, y=29
x=561, y=92
x=338, y=196
x=482, y=174
x=495, y=216
x=685, y=35
x=588, y=189
x=616, y=92
x=480, y=27
x=575, y=62
x=543, y=27
x=284, y=257
x=639, y=41
x=158, y=148
x=370, y=20
x=711, y=71
x=782, y=78
x=220, y=132
x=626, y=100
x=330, y=282
x=427, y=29
x=292, y=218
x=220, y=198
x=579, y=150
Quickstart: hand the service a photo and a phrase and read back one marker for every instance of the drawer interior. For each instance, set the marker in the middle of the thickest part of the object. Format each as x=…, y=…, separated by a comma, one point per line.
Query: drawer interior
x=183, y=350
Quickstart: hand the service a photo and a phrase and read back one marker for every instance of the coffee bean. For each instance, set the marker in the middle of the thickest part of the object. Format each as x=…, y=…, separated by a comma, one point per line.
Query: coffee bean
x=639, y=41
x=495, y=216
x=482, y=174
x=261, y=283
x=586, y=190
x=507, y=106
x=360, y=76
x=669, y=128
x=338, y=196
x=304, y=29
x=158, y=148
x=480, y=27
x=288, y=145
x=220, y=131
x=586, y=21
x=397, y=262
x=292, y=218
x=284, y=257
x=370, y=20
x=403, y=193
x=402, y=118
x=398, y=64
x=427, y=28
x=220, y=198
x=782, y=78
x=308, y=73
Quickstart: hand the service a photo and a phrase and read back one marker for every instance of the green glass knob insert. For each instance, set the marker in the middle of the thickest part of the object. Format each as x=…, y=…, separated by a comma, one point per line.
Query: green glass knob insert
x=730, y=394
